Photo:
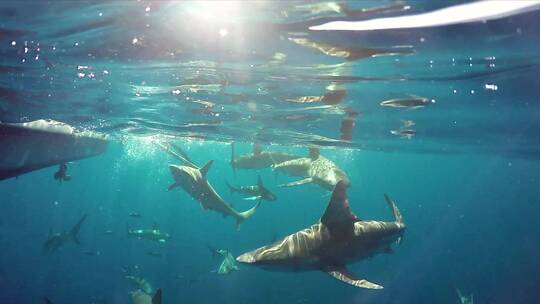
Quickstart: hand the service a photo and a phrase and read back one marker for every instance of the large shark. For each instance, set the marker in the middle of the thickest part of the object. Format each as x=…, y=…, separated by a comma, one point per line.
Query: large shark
x=57, y=240
x=337, y=240
x=315, y=169
x=193, y=181
x=258, y=159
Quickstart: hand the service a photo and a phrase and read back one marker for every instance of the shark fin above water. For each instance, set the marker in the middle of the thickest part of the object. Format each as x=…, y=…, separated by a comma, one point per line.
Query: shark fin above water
x=338, y=216
x=298, y=183
x=204, y=170
x=342, y=274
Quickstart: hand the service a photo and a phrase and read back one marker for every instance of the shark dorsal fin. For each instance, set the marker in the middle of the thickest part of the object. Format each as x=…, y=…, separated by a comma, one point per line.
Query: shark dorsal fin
x=204, y=170
x=314, y=153
x=156, y=299
x=257, y=149
x=338, y=217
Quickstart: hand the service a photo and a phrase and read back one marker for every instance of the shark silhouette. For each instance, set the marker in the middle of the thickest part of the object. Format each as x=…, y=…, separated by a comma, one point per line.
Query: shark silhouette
x=338, y=239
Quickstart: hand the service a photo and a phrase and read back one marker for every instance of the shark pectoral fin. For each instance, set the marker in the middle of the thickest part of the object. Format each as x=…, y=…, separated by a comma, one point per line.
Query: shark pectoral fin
x=298, y=183
x=204, y=170
x=156, y=299
x=173, y=186
x=343, y=275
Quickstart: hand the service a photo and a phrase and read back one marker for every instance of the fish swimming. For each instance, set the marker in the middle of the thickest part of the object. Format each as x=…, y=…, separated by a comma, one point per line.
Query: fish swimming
x=57, y=240
x=194, y=182
x=404, y=133
x=153, y=234
x=258, y=191
x=258, y=159
x=338, y=239
x=228, y=264
x=412, y=102
x=315, y=169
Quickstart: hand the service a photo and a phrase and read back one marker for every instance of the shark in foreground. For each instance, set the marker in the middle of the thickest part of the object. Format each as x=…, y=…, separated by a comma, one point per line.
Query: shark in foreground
x=57, y=240
x=258, y=159
x=258, y=191
x=338, y=239
x=315, y=169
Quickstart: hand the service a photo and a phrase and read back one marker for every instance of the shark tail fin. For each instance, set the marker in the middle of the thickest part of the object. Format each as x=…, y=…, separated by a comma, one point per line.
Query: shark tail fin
x=156, y=299
x=74, y=232
x=397, y=214
x=233, y=159
x=242, y=216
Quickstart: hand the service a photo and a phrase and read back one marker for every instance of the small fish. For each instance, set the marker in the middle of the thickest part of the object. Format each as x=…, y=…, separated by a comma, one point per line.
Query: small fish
x=91, y=253
x=404, y=133
x=412, y=102
x=407, y=123
x=108, y=232
x=135, y=215
x=153, y=234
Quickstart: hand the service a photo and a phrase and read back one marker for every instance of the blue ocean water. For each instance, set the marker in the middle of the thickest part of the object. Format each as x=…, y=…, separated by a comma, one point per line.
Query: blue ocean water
x=205, y=75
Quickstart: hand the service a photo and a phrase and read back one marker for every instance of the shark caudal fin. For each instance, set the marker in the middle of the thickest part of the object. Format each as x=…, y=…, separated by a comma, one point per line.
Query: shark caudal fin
x=397, y=215
x=156, y=299
x=74, y=232
x=243, y=216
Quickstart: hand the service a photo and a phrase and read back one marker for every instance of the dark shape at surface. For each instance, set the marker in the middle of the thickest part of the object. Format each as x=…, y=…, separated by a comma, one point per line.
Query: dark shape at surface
x=30, y=146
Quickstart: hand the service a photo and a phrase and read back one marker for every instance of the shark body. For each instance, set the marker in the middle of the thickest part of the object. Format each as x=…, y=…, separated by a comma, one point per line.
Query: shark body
x=57, y=240
x=258, y=191
x=315, y=169
x=338, y=239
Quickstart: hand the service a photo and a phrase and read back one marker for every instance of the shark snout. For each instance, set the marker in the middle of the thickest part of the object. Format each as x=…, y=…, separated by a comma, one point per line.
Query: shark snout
x=246, y=258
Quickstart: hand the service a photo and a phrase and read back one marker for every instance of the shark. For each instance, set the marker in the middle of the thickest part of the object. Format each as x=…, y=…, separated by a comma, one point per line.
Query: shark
x=315, y=169
x=193, y=180
x=258, y=159
x=258, y=191
x=57, y=240
x=228, y=264
x=339, y=238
